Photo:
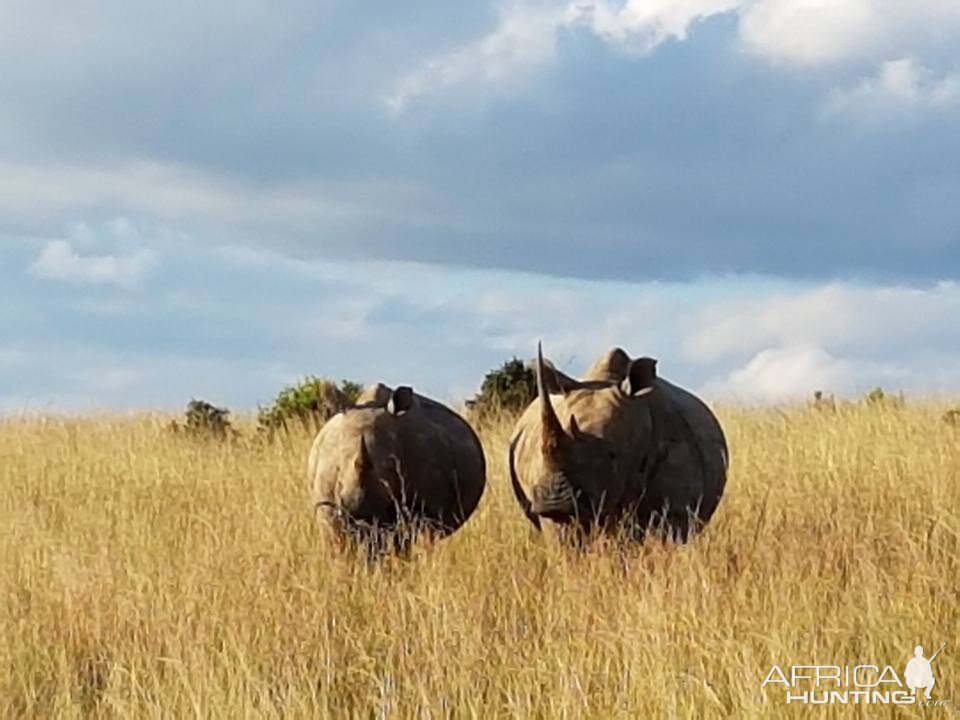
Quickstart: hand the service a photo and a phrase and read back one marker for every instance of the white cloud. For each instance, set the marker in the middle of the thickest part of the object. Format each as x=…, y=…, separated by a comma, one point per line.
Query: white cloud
x=788, y=373
x=524, y=39
x=182, y=196
x=899, y=86
x=839, y=338
x=800, y=32
x=837, y=316
x=526, y=36
x=642, y=25
x=441, y=329
x=811, y=31
x=68, y=259
x=146, y=188
x=776, y=345
x=808, y=32
x=59, y=260
x=735, y=329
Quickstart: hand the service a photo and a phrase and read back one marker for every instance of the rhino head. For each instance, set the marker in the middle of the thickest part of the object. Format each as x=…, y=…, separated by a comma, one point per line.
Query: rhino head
x=581, y=470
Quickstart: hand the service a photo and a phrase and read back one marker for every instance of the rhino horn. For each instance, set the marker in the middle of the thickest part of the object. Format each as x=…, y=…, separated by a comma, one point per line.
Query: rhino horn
x=553, y=434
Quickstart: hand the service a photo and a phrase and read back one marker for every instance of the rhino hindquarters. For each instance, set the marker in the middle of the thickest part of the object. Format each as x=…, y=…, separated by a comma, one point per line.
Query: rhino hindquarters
x=678, y=500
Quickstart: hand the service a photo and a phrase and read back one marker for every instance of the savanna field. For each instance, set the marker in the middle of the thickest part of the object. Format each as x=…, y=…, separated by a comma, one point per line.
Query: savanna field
x=145, y=574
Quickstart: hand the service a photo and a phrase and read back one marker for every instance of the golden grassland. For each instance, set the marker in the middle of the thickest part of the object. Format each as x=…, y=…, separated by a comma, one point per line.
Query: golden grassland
x=147, y=575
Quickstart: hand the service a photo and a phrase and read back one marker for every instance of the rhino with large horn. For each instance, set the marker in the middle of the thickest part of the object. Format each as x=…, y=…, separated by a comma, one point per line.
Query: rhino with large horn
x=394, y=464
x=620, y=450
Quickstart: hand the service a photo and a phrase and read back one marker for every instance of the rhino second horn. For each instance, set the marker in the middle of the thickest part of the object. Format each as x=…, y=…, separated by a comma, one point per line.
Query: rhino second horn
x=553, y=434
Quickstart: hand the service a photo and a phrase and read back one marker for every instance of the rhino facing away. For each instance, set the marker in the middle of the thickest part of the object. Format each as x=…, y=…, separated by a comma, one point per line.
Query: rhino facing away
x=619, y=451
x=394, y=461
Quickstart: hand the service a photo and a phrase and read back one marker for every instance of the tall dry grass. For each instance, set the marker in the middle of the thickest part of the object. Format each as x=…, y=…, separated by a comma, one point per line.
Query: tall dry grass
x=145, y=575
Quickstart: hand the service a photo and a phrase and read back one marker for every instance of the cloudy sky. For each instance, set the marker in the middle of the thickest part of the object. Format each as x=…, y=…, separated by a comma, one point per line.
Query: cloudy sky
x=214, y=199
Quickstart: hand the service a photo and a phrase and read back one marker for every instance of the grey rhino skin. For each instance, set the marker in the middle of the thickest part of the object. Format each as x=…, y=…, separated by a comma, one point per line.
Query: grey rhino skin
x=620, y=451
x=394, y=460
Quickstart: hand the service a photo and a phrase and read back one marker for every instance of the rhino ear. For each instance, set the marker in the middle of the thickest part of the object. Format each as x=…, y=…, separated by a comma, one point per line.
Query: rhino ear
x=376, y=395
x=640, y=377
x=401, y=401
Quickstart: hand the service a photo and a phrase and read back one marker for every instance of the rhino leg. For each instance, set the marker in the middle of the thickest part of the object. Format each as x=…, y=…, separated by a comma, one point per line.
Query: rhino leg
x=678, y=525
x=346, y=534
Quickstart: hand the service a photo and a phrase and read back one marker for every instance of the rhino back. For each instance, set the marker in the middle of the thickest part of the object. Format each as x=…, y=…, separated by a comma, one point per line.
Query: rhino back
x=465, y=451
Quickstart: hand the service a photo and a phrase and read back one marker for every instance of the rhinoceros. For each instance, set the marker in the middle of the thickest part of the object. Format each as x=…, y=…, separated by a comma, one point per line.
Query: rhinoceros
x=395, y=460
x=620, y=451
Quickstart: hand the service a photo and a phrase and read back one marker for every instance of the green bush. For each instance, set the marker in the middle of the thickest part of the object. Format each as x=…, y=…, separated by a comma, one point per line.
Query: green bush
x=205, y=421
x=509, y=388
x=351, y=389
x=307, y=404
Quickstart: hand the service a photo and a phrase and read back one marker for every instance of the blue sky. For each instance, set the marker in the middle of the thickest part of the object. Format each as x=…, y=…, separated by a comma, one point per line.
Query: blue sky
x=212, y=201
